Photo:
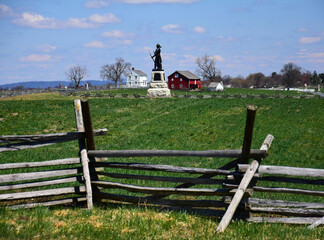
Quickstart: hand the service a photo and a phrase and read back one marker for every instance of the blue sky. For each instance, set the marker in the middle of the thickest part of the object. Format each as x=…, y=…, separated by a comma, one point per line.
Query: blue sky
x=40, y=40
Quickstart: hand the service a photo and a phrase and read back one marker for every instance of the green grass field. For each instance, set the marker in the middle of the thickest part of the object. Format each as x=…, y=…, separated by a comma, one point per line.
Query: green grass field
x=175, y=123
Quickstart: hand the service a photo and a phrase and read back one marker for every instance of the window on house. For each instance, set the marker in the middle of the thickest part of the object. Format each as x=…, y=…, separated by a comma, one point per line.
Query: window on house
x=172, y=85
x=172, y=79
x=181, y=79
x=181, y=86
x=176, y=75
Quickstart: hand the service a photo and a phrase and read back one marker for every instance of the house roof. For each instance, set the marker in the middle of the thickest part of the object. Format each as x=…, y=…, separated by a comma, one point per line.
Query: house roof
x=188, y=75
x=213, y=84
x=139, y=72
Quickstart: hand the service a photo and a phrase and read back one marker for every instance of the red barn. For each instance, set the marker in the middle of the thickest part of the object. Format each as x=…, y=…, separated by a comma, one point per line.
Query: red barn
x=184, y=80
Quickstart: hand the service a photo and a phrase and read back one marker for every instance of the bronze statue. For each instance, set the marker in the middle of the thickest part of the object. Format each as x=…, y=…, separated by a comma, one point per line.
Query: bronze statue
x=157, y=58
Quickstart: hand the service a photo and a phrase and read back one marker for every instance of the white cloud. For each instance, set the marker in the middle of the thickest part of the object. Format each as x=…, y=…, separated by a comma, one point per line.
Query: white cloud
x=36, y=58
x=199, y=29
x=218, y=58
x=96, y=4
x=169, y=56
x=126, y=42
x=46, y=48
x=117, y=34
x=191, y=57
x=172, y=28
x=36, y=20
x=308, y=40
x=112, y=44
x=77, y=23
x=94, y=44
x=314, y=57
x=106, y=18
x=5, y=11
x=225, y=39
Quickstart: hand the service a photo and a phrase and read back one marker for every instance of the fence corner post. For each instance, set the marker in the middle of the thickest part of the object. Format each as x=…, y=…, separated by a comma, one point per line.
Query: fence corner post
x=248, y=134
x=88, y=125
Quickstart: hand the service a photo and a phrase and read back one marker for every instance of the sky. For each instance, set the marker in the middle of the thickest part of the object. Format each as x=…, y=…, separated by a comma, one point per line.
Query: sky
x=40, y=40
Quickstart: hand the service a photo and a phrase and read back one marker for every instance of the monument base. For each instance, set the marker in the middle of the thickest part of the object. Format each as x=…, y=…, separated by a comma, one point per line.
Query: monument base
x=158, y=86
x=158, y=92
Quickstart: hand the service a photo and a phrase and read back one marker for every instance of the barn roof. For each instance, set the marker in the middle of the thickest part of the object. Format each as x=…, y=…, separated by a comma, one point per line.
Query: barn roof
x=188, y=75
x=139, y=72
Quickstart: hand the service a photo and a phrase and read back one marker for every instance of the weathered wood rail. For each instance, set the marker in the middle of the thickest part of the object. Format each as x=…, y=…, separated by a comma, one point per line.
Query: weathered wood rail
x=21, y=142
x=175, y=153
x=283, y=211
x=47, y=183
x=61, y=185
x=224, y=191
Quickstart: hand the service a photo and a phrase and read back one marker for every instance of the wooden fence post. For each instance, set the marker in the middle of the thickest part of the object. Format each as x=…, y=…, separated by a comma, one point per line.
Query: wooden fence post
x=90, y=144
x=253, y=167
x=88, y=125
x=248, y=134
x=83, y=152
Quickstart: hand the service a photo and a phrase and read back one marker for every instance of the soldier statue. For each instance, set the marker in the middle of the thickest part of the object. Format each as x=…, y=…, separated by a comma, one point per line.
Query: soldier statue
x=157, y=58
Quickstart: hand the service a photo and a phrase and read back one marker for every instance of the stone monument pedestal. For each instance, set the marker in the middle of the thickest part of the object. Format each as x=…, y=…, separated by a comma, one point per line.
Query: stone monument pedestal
x=158, y=86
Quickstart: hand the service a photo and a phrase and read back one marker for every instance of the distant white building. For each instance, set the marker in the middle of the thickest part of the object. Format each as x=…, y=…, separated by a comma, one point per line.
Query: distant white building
x=216, y=86
x=136, y=79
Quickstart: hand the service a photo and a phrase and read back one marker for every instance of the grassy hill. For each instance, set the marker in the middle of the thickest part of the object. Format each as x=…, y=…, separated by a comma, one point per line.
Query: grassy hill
x=175, y=123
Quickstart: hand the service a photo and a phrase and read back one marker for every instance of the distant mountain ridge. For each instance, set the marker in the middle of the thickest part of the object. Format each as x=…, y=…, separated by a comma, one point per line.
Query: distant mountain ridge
x=50, y=84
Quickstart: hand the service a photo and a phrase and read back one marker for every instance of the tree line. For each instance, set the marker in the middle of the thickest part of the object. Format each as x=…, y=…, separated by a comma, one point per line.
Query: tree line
x=291, y=75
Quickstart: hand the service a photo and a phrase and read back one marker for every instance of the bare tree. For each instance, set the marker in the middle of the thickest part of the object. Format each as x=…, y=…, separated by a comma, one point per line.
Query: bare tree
x=275, y=79
x=227, y=79
x=306, y=78
x=291, y=74
x=115, y=71
x=240, y=82
x=257, y=80
x=207, y=68
x=76, y=74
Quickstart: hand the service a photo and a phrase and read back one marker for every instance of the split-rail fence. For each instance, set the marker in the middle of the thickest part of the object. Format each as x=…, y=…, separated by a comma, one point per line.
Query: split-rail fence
x=225, y=191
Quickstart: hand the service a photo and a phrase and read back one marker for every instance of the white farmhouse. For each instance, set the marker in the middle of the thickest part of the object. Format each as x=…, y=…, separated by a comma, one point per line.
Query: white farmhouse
x=136, y=79
x=216, y=86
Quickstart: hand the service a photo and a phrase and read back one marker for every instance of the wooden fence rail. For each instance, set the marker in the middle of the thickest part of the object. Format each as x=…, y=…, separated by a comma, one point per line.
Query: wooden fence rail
x=65, y=161
x=159, y=190
x=68, y=136
x=35, y=141
x=175, y=153
x=291, y=171
x=165, y=168
x=15, y=177
x=47, y=183
x=292, y=212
